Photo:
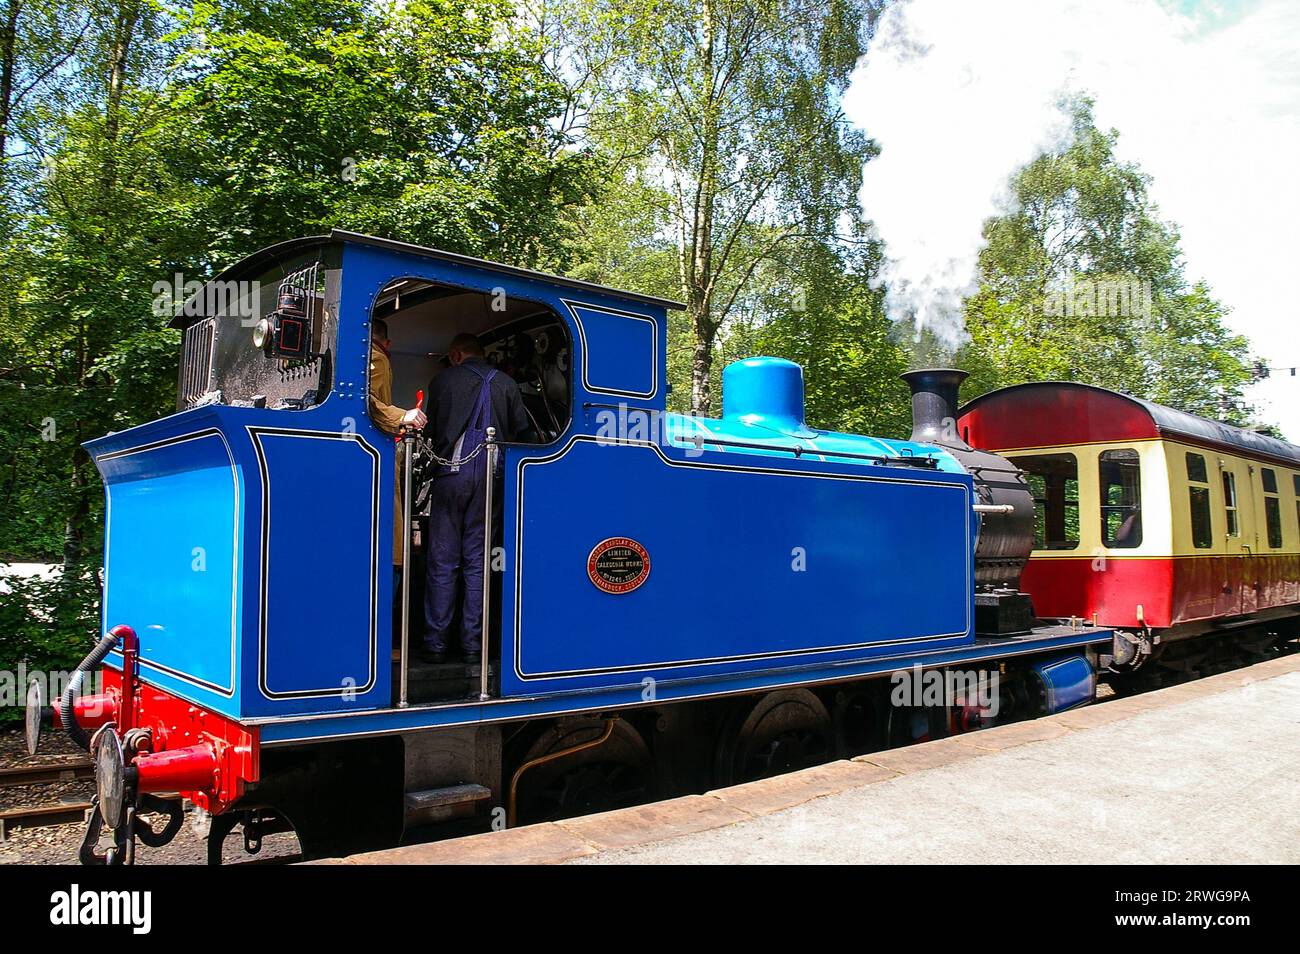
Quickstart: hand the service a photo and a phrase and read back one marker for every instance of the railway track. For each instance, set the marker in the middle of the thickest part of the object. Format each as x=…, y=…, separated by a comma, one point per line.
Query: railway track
x=54, y=813
x=48, y=772
x=42, y=816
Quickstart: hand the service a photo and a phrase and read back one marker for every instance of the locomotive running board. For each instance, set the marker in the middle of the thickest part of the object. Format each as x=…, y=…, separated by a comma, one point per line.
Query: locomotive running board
x=292, y=730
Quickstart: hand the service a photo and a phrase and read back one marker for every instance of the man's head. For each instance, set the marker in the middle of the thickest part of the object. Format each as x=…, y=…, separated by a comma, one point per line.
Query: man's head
x=379, y=332
x=464, y=346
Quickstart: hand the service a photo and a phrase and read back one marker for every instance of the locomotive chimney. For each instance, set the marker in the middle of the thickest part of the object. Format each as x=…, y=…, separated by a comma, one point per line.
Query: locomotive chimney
x=934, y=406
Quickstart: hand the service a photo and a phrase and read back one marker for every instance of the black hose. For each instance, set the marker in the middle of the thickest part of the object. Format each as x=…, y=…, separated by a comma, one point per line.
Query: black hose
x=67, y=713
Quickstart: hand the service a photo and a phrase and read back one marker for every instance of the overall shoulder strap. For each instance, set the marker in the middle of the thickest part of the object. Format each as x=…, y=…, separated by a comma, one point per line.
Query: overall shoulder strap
x=481, y=416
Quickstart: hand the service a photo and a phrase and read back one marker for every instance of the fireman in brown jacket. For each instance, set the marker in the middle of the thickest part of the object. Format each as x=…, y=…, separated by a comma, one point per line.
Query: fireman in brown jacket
x=389, y=418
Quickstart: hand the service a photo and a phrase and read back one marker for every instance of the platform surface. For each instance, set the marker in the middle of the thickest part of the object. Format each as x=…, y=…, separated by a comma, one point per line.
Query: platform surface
x=1205, y=772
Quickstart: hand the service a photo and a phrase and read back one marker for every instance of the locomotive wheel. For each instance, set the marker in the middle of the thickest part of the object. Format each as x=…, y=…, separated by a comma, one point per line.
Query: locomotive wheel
x=782, y=732
x=614, y=774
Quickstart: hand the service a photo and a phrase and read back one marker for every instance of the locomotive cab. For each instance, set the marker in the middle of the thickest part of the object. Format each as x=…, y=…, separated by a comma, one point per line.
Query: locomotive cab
x=253, y=532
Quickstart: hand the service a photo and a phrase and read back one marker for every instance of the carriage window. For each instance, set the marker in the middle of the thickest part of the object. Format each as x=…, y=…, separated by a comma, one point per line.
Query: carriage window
x=1296, y=478
x=1202, y=526
x=1272, y=507
x=1054, y=481
x=1273, y=514
x=1121, y=499
x=1230, y=502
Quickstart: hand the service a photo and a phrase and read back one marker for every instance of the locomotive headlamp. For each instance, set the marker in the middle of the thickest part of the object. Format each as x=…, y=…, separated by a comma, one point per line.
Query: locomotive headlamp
x=283, y=335
x=261, y=333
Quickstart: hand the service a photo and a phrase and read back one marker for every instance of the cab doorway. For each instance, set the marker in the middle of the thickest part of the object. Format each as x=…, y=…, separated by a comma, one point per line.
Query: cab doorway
x=520, y=354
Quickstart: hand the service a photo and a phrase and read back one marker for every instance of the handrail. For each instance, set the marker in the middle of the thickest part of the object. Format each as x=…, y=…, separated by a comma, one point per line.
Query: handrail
x=485, y=635
x=927, y=463
x=407, y=440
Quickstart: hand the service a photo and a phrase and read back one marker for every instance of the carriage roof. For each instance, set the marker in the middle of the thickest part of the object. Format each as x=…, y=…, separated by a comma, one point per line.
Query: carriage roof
x=1063, y=412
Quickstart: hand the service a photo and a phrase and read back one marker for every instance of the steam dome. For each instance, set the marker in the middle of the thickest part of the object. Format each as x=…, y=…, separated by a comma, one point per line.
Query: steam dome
x=766, y=391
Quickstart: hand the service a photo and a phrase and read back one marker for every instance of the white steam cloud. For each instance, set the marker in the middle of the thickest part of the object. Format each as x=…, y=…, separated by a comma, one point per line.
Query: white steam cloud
x=956, y=104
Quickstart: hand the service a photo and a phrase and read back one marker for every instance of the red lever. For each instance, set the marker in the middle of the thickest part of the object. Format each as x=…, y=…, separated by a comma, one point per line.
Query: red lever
x=419, y=402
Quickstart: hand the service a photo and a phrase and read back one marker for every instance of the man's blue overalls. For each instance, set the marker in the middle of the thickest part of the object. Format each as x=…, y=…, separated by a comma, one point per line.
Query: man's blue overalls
x=457, y=531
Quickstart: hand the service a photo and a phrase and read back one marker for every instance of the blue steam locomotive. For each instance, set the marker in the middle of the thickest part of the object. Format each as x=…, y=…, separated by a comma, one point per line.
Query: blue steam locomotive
x=674, y=603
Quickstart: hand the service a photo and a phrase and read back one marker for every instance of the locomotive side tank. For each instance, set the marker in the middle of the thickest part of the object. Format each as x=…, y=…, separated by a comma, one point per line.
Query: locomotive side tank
x=747, y=523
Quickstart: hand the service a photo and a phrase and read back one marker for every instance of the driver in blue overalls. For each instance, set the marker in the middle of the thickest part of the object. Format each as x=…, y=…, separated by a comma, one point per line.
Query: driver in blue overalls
x=464, y=400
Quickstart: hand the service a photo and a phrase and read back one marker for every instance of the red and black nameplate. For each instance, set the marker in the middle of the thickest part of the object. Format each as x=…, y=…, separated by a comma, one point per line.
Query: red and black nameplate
x=618, y=565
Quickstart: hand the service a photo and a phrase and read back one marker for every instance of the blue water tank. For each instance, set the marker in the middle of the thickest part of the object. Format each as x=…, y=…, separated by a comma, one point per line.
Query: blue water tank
x=764, y=391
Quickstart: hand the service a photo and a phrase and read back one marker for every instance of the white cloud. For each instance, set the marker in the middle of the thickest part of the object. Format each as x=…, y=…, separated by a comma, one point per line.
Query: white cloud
x=1206, y=99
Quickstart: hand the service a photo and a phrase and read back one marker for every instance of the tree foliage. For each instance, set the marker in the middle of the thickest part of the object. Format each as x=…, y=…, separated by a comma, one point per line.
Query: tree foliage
x=1084, y=281
x=730, y=111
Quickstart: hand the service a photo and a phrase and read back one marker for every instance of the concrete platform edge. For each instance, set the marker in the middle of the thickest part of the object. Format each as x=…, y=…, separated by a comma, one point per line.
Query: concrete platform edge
x=558, y=842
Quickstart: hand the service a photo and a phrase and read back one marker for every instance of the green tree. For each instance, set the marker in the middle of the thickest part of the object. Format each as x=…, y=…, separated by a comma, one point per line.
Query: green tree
x=38, y=38
x=730, y=111
x=98, y=224
x=430, y=120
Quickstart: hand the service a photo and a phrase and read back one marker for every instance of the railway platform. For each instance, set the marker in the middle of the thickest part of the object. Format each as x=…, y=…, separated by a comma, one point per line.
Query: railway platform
x=1203, y=772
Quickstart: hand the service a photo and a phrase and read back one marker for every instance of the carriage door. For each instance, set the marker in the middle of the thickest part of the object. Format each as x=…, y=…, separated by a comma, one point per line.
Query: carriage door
x=1239, y=547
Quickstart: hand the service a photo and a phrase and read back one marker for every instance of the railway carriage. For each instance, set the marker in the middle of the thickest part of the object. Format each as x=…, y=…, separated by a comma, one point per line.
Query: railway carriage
x=1149, y=519
x=674, y=602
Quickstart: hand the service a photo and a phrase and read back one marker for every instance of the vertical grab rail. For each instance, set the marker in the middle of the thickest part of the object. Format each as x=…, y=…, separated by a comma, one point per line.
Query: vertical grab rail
x=407, y=443
x=490, y=484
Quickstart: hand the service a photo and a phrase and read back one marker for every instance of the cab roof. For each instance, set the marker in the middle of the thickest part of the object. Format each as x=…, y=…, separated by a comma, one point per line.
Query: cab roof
x=296, y=248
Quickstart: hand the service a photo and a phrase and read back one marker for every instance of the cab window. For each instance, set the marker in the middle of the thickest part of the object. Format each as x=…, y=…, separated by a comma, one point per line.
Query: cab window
x=1296, y=479
x=522, y=339
x=1121, y=498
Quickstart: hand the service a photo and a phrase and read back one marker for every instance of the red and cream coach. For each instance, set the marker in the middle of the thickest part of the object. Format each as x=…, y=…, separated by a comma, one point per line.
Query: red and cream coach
x=1147, y=519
